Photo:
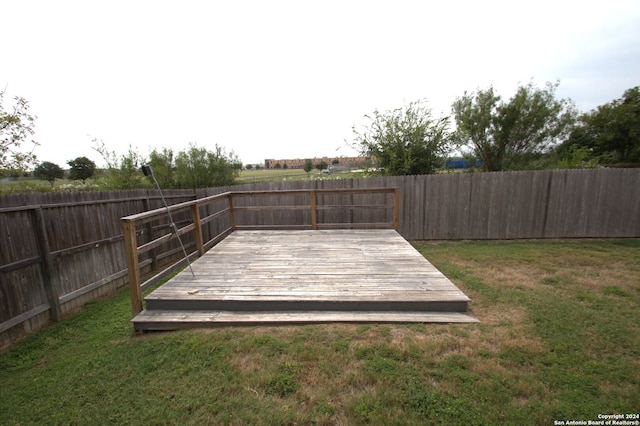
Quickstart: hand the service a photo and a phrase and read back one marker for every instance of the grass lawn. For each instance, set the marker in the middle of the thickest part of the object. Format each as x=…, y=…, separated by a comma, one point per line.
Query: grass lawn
x=246, y=176
x=559, y=340
x=278, y=175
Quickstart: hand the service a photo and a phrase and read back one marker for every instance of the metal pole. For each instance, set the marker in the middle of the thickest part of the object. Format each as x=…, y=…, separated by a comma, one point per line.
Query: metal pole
x=149, y=172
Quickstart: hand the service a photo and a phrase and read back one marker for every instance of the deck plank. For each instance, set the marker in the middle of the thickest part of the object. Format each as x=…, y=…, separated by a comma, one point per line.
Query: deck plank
x=175, y=320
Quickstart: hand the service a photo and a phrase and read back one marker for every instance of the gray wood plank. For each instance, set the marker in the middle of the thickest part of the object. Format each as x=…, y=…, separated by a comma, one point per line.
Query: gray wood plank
x=286, y=274
x=173, y=320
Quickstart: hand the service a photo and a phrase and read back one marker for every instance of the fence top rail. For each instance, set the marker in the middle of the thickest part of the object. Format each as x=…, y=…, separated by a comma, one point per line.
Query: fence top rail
x=149, y=215
x=88, y=203
x=317, y=191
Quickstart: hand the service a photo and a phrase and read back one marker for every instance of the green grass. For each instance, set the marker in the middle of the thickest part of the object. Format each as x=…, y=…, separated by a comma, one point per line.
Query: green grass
x=35, y=185
x=559, y=340
x=246, y=176
x=277, y=175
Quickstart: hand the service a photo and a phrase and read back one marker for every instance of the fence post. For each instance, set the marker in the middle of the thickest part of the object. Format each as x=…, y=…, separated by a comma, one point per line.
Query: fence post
x=46, y=264
x=314, y=210
x=131, y=250
x=195, y=213
x=396, y=209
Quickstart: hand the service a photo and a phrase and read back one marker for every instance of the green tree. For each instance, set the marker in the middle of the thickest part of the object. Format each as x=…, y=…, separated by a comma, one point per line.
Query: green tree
x=322, y=165
x=122, y=171
x=405, y=141
x=16, y=129
x=199, y=168
x=81, y=168
x=511, y=135
x=164, y=170
x=48, y=171
x=308, y=166
x=612, y=131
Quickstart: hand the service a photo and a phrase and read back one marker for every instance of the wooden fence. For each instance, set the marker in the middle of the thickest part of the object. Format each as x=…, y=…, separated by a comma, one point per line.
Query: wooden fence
x=69, y=247
x=595, y=203
x=56, y=256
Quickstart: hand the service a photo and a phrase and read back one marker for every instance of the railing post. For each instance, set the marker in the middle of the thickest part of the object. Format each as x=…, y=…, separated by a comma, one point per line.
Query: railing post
x=131, y=251
x=396, y=209
x=146, y=204
x=195, y=213
x=314, y=210
x=232, y=213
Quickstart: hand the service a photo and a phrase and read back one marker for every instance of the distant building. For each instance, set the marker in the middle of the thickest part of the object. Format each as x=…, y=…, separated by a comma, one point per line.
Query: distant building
x=298, y=163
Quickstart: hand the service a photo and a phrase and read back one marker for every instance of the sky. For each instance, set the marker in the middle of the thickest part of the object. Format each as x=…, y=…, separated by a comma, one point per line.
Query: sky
x=290, y=79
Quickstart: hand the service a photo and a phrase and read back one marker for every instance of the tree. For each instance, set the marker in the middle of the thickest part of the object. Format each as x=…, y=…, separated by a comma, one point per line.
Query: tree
x=199, y=168
x=509, y=135
x=611, y=132
x=322, y=165
x=405, y=141
x=81, y=169
x=308, y=166
x=48, y=171
x=123, y=172
x=16, y=128
x=162, y=163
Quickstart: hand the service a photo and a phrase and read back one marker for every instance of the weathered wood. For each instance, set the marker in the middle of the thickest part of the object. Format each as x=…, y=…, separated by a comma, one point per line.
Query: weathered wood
x=195, y=214
x=232, y=213
x=46, y=265
x=19, y=319
x=314, y=210
x=291, y=272
x=396, y=209
x=176, y=320
x=131, y=248
x=150, y=231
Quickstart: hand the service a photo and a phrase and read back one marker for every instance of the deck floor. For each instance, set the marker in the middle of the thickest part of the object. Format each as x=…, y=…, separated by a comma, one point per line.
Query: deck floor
x=307, y=276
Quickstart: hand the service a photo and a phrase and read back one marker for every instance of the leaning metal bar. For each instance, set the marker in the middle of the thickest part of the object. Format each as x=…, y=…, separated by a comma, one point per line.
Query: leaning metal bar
x=173, y=225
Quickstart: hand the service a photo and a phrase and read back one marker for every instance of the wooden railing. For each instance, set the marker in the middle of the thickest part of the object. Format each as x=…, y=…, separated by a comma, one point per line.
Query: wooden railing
x=229, y=206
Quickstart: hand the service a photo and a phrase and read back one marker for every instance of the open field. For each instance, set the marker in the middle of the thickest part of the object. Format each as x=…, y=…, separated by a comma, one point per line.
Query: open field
x=246, y=176
x=559, y=340
x=276, y=175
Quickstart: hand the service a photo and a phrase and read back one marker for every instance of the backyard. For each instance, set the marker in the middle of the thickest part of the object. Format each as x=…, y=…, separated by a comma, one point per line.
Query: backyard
x=559, y=340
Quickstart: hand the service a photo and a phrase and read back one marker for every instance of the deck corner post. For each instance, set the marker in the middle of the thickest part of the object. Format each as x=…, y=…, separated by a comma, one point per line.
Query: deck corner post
x=232, y=213
x=314, y=210
x=131, y=251
x=195, y=213
x=396, y=209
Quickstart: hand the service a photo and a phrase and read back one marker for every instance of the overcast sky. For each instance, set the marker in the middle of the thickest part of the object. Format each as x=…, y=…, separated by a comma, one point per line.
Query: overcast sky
x=289, y=79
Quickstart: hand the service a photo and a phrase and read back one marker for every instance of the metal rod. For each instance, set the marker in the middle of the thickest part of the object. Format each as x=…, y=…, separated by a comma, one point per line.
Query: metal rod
x=149, y=172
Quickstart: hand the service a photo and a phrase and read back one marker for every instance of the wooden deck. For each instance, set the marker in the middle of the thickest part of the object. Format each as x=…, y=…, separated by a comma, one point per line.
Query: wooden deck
x=306, y=277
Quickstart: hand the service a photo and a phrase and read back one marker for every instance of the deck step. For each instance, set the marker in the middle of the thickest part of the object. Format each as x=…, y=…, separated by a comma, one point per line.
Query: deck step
x=150, y=320
x=263, y=303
